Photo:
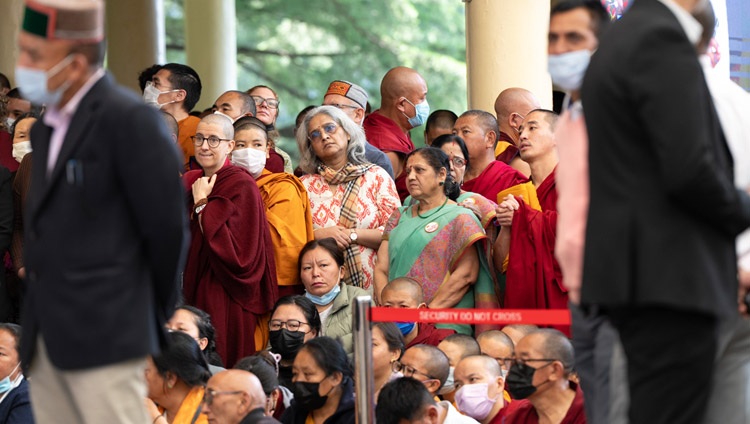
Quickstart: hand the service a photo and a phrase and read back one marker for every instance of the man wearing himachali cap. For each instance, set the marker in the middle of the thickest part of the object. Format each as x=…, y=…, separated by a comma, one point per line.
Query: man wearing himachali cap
x=105, y=228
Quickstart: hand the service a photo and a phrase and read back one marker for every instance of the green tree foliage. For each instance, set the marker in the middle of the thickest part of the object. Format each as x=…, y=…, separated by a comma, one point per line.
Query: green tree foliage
x=298, y=47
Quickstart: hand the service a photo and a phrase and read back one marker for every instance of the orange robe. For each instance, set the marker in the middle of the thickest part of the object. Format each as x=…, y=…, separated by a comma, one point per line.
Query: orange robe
x=186, y=129
x=290, y=222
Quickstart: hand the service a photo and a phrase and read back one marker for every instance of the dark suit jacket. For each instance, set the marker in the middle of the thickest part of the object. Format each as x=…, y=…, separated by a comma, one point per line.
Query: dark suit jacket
x=105, y=234
x=664, y=212
x=16, y=407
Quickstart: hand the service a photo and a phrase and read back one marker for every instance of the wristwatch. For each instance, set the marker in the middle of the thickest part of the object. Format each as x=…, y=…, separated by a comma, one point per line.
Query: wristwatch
x=353, y=235
x=199, y=206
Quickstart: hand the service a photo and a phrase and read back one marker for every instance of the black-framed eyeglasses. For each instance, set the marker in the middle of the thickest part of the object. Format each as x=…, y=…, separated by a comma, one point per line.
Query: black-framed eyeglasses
x=209, y=395
x=290, y=324
x=316, y=134
x=458, y=162
x=213, y=141
x=342, y=106
x=522, y=361
x=407, y=370
x=271, y=103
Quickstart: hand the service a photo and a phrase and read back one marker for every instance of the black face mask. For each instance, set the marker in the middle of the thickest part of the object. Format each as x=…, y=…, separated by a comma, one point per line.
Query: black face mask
x=286, y=343
x=307, y=396
x=519, y=381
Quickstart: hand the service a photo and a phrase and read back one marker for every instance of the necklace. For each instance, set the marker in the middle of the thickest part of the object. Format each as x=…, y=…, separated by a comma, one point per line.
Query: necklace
x=435, y=211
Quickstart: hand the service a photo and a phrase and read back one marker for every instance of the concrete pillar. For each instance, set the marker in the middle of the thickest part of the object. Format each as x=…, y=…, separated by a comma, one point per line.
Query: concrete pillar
x=211, y=46
x=135, y=38
x=506, y=46
x=11, y=13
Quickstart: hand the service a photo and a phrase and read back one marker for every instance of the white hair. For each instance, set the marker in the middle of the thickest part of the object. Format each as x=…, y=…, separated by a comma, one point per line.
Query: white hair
x=355, y=150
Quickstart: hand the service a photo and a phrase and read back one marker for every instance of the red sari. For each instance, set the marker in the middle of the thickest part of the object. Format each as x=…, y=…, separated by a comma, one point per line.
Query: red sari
x=230, y=271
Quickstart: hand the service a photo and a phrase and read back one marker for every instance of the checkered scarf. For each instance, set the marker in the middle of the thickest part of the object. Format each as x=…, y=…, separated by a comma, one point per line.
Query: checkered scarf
x=349, y=175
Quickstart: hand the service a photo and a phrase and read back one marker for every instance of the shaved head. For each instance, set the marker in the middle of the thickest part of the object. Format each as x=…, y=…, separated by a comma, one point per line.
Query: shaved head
x=495, y=337
x=518, y=331
x=511, y=106
x=459, y=346
x=400, y=81
x=481, y=362
x=405, y=285
x=172, y=125
x=555, y=345
x=243, y=393
x=223, y=122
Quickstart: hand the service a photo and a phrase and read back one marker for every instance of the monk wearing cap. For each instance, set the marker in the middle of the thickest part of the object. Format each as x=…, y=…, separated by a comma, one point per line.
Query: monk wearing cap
x=352, y=100
x=104, y=244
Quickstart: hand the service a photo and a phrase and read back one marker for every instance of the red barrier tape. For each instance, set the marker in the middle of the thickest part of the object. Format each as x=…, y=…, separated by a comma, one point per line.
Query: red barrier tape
x=472, y=316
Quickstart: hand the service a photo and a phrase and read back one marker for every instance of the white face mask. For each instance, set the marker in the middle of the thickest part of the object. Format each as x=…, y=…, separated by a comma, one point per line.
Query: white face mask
x=20, y=150
x=450, y=384
x=567, y=69
x=252, y=160
x=33, y=83
x=151, y=95
x=224, y=114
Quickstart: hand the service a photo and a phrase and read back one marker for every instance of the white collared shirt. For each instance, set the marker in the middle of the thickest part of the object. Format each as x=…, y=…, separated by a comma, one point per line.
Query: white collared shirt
x=693, y=29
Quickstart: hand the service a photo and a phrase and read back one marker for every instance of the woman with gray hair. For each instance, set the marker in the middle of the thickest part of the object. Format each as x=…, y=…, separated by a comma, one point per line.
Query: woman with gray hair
x=350, y=198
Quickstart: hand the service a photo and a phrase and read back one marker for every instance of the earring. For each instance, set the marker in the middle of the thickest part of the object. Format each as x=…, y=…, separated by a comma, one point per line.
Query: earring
x=441, y=183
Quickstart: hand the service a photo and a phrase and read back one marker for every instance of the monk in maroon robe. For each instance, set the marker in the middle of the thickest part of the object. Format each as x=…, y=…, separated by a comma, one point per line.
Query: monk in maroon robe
x=485, y=175
x=403, y=106
x=533, y=278
x=230, y=271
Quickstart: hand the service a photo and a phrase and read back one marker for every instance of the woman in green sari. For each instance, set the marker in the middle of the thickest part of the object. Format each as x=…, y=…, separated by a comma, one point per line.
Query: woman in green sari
x=436, y=242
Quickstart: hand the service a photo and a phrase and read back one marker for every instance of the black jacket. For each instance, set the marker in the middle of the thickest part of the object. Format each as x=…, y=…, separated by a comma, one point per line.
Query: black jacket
x=105, y=234
x=664, y=211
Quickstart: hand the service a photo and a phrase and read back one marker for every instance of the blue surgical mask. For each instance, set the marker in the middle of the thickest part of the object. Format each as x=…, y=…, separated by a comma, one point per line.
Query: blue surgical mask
x=567, y=69
x=406, y=327
x=326, y=298
x=33, y=83
x=6, y=384
x=422, y=113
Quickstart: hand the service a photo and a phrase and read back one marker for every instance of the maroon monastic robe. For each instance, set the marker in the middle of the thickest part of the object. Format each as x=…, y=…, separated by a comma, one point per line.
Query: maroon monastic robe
x=496, y=177
x=230, y=271
x=534, y=279
x=525, y=413
x=510, y=152
x=430, y=335
x=386, y=135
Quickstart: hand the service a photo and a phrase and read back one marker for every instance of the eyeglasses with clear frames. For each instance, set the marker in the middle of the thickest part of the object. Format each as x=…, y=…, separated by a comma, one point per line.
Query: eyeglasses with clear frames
x=209, y=395
x=408, y=371
x=290, y=324
x=213, y=141
x=316, y=134
x=458, y=162
x=271, y=103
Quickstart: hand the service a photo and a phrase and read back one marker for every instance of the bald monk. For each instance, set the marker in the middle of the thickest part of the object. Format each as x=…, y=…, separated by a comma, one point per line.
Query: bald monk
x=511, y=107
x=527, y=235
x=485, y=175
x=499, y=346
x=405, y=292
x=235, y=397
x=518, y=331
x=172, y=125
x=456, y=347
x=541, y=375
x=403, y=106
x=479, y=383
